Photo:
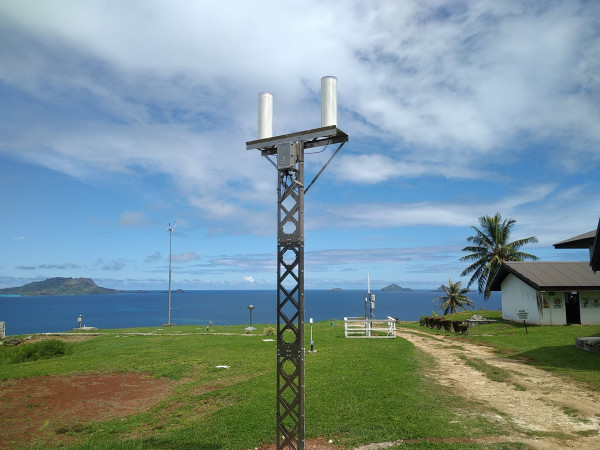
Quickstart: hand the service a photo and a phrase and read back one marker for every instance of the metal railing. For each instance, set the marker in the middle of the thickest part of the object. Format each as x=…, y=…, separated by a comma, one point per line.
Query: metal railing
x=359, y=327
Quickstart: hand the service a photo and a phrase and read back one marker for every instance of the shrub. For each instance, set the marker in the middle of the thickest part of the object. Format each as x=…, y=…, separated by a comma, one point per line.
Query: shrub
x=40, y=350
x=460, y=326
x=437, y=323
x=446, y=323
x=422, y=321
x=269, y=331
x=431, y=322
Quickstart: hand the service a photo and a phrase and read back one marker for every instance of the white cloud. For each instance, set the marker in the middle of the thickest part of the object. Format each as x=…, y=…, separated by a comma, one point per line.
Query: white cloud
x=549, y=213
x=373, y=168
x=133, y=219
x=110, y=265
x=185, y=257
x=459, y=80
x=248, y=279
x=462, y=91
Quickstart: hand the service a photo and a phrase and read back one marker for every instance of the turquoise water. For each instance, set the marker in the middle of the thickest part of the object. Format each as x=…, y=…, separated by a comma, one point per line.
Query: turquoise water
x=46, y=314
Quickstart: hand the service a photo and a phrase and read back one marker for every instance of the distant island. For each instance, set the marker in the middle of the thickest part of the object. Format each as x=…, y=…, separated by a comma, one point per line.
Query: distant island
x=395, y=288
x=59, y=286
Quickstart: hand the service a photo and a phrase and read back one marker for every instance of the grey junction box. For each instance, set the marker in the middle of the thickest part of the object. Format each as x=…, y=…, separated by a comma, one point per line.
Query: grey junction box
x=286, y=155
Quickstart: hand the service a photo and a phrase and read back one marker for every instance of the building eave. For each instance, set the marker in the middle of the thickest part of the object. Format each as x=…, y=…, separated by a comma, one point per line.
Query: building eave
x=584, y=240
x=549, y=275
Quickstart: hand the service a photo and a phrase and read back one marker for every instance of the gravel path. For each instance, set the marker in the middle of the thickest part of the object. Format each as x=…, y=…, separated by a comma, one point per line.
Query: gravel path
x=532, y=402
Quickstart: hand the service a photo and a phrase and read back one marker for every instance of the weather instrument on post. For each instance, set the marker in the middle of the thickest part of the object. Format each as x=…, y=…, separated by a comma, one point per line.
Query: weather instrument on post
x=289, y=150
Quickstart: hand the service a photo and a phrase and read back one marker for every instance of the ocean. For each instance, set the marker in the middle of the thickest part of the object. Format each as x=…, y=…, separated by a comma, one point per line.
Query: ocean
x=51, y=314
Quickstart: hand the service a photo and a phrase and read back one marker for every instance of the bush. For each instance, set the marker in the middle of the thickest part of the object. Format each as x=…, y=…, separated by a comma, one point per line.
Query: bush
x=40, y=350
x=446, y=323
x=460, y=326
x=437, y=323
x=422, y=321
x=269, y=331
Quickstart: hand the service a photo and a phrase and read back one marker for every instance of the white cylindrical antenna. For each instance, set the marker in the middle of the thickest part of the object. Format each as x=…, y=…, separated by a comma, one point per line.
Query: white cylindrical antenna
x=328, y=101
x=265, y=115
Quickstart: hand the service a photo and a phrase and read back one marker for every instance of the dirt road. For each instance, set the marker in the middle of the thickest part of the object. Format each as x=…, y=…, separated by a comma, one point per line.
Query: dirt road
x=532, y=402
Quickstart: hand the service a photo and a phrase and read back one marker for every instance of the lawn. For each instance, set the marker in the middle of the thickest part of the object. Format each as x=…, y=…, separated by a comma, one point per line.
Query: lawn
x=358, y=391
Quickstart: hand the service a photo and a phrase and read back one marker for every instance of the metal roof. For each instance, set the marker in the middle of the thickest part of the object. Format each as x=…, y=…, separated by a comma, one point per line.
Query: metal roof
x=585, y=240
x=550, y=275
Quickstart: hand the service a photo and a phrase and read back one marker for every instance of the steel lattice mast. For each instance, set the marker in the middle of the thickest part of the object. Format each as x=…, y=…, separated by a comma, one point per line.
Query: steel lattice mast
x=290, y=150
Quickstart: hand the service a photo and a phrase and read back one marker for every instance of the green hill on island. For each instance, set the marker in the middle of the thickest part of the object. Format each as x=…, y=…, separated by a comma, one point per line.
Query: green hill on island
x=59, y=286
x=394, y=287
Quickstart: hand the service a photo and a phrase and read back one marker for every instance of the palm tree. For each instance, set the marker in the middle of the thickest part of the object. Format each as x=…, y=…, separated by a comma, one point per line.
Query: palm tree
x=491, y=247
x=455, y=298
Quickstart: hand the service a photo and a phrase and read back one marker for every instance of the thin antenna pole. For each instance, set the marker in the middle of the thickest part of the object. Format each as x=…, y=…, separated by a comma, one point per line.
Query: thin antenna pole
x=170, y=230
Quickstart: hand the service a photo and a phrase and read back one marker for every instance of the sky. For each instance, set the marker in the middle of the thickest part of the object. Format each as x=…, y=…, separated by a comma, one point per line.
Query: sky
x=118, y=118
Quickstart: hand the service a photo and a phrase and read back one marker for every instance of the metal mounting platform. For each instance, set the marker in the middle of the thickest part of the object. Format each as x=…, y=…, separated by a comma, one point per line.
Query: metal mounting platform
x=312, y=138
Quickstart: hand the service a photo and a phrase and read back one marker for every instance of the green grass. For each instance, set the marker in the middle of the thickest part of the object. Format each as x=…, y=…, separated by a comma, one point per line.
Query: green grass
x=358, y=391
x=492, y=372
x=39, y=350
x=550, y=348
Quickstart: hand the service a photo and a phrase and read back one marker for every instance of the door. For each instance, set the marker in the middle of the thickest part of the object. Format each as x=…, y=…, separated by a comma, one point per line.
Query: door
x=572, y=307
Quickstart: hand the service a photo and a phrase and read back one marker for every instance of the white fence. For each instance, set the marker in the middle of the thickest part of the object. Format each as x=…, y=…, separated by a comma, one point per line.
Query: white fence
x=359, y=327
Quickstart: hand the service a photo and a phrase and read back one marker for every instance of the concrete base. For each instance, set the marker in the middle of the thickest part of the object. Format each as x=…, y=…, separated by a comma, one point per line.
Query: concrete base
x=589, y=344
x=474, y=323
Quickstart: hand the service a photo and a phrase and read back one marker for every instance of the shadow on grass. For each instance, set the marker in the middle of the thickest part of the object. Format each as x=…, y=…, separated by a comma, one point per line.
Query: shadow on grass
x=563, y=357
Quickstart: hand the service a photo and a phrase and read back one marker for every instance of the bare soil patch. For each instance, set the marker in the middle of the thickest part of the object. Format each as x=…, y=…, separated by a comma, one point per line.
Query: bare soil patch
x=545, y=403
x=43, y=410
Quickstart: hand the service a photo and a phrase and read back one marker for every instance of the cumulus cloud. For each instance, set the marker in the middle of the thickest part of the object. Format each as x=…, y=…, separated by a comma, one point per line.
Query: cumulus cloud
x=495, y=94
x=248, y=279
x=433, y=82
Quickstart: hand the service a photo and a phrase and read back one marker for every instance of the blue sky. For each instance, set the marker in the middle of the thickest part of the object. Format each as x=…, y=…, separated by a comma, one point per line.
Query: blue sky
x=117, y=118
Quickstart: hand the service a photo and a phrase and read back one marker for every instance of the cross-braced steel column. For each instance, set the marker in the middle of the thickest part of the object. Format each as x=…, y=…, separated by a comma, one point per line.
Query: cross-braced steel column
x=290, y=304
x=289, y=150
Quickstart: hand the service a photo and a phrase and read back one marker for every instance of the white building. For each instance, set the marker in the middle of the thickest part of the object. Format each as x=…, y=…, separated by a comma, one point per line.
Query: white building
x=552, y=292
